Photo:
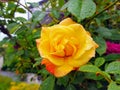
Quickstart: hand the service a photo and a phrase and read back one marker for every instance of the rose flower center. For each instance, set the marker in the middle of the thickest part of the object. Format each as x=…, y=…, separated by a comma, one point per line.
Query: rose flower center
x=68, y=50
x=63, y=48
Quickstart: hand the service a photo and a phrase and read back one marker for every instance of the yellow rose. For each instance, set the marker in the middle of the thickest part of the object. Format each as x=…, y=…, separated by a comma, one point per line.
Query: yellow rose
x=65, y=47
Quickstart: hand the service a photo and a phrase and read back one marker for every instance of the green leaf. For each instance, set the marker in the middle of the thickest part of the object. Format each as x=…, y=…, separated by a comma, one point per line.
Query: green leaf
x=113, y=67
x=93, y=76
x=61, y=3
x=112, y=57
x=113, y=86
x=20, y=52
x=48, y=84
x=34, y=4
x=11, y=6
x=102, y=45
x=78, y=78
x=55, y=13
x=36, y=64
x=21, y=10
x=13, y=27
x=104, y=32
x=82, y=8
x=105, y=75
x=38, y=16
x=0, y=14
x=115, y=34
x=36, y=34
x=63, y=81
x=70, y=87
x=111, y=34
x=117, y=78
x=89, y=68
x=99, y=61
x=21, y=19
x=38, y=61
x=65, y=6
x=21, y=29
x=43, y=72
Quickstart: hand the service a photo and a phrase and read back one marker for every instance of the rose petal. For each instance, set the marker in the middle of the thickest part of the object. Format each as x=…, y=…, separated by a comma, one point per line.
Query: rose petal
x=49, y=66
x=63, y=70
x=80, y=35
x=66, y=22
x=83, y=59
x=57, y=71
x=44, y=50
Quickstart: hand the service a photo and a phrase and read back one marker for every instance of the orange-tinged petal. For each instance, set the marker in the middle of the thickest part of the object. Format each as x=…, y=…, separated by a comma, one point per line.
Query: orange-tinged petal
x=67, y=21
x=74, y=46
x=68, y=50
x=88, y=33
x=63, y=70
x=49, y=66
x=45, y=61
x=96, y=45
x=57, y=71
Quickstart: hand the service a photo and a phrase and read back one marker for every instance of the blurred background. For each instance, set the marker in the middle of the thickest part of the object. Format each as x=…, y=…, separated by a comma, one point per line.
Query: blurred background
x=25, y=15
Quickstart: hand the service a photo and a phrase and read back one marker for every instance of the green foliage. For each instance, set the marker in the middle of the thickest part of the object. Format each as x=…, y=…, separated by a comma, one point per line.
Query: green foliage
x=70, y=87
x=113, y=86
x=108, y=33
x=89, y=68
x=61, y=3
x=55, y=13
x=38, y=61
x=12, y=27
x=99, y=61
x=81, y=8
x=112, y=57
x=48, y=83
x=93, y=76
x=102, y=45
x=20, y=10
x=113, y=67
x=63, y=81
x=38, y=16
